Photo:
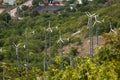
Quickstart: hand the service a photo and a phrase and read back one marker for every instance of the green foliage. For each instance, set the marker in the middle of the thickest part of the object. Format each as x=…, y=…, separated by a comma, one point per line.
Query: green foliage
x=84, y=2
x=88, y=69
x=25, y=11
x=5, y=17
x=34, y=13
x=103, y=66
x=20, y=1
x=100, y=1
x=73, y=51
x=1, y=57
x=24, y=7
x=35, y=2
x=71, y=1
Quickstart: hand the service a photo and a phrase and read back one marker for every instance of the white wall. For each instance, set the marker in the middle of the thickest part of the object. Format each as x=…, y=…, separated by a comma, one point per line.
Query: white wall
x=80, y=2
x=10, y=2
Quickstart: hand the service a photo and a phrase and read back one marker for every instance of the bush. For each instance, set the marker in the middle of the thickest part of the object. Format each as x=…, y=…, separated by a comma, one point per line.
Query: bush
x=35, y=2
x=24, y=7
x=73, y=51
x=5, y=17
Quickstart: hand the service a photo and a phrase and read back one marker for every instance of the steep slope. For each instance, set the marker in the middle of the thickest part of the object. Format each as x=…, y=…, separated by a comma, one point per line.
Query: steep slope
x=73, y=25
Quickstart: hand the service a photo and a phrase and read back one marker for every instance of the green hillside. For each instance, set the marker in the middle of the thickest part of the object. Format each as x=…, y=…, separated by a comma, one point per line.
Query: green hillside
x=73, y=25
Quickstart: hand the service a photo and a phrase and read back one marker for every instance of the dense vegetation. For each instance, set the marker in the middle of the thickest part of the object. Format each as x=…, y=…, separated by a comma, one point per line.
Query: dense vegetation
x=104, y=64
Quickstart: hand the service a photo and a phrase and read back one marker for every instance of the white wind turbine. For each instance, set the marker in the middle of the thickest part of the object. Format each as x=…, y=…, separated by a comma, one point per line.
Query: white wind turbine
x=60, y=42
x=111, y=29
x=96, y=24
x=90, y=23
x=49, y=29
x=26, y=46
x=45, y=65
x=18, y=57
x=90, y=17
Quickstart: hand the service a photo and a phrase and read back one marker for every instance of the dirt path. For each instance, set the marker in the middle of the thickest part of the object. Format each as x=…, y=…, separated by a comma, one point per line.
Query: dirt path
x=13, y=11
x=84, y=49
x=1, y=10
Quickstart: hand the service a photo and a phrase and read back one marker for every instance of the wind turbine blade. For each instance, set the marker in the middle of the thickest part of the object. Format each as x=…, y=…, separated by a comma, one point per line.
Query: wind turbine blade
x=33, y=32
x=99, y=21
x=94, y=24
x=103, y=20
x=0, y=49
x=93, y=14
x=62, y=41
x=58, y=41
x=56, y=27
x=95, y=17
x=14, y=44
x=25, y=65
x=50, y=30
x=87, y=14
x=24, y=46
x=71, y=7
x=68, y=39
x=112, y=30
x=18, y=45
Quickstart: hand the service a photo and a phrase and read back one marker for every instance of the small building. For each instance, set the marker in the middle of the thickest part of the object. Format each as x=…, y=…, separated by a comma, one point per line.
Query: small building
x=10, y=2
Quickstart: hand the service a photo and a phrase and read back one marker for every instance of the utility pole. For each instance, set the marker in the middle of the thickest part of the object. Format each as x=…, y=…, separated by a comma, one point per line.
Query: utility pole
x=111, y=29
x=3, y=74
x=50, y=40
x=26, y=72
x=44, y=66
x=3, y=66
x=0, y=49
x=45, y=58
x=71, y=62
x=26, y=47
x=6, y=18
x=17, y=12
x=90, y=22
x=60, y=41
